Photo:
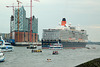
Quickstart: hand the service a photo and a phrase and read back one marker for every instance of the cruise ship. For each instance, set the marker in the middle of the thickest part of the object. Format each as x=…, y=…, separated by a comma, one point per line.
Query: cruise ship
x=67, y=35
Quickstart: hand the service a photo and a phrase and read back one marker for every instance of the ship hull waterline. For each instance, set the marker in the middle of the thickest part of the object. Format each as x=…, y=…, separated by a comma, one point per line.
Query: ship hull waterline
x=66, y=45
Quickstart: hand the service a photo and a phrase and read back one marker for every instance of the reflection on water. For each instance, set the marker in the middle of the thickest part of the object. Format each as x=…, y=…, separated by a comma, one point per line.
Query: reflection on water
x=22, y=57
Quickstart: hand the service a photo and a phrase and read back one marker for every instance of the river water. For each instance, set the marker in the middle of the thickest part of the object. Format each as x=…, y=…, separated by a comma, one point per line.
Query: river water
x=22, y=57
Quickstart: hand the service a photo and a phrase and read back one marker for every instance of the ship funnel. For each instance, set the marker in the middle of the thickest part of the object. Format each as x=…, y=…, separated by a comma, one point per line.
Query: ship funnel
x=63, y=22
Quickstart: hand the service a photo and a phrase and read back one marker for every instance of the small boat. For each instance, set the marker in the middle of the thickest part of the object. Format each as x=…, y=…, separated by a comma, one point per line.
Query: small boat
x=93, y=48
x=55, y=53
x=31, y=47
x=87, y=47
x=48, y=60
x=2, y=58
x=4, y=47
x=56, y=46
x=36, y=50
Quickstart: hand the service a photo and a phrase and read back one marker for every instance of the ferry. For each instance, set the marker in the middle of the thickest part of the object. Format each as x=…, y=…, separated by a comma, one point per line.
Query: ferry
x=4, y=47
x=2, y=58
x=56, y=46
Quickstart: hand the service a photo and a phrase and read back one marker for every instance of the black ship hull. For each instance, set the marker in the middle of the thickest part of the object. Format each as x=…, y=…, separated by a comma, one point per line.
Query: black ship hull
x=66, y=44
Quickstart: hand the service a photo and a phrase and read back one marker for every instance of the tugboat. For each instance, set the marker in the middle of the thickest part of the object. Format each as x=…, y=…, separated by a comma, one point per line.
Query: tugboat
x=55, y=53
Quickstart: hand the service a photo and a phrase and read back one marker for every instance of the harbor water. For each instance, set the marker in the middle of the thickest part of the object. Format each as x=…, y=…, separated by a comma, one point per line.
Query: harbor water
x=22, y=57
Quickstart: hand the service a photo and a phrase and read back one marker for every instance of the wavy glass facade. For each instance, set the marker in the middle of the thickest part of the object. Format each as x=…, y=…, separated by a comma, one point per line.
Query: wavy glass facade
x=22, y=19
x=24, y=23
x=24, y=26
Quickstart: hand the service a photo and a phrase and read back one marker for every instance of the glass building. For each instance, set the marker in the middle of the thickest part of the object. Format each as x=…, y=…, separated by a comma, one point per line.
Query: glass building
x=24, y=25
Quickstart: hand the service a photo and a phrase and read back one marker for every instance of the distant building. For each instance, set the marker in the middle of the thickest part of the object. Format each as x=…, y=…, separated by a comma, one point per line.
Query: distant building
x=5, y=36
x=24, y=27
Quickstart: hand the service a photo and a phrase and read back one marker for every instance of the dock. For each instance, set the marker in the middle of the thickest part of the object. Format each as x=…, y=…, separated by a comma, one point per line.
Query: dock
x=27, y=43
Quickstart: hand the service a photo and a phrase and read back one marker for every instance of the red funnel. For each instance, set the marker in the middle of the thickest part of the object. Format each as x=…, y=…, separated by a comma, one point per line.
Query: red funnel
x=63, y=22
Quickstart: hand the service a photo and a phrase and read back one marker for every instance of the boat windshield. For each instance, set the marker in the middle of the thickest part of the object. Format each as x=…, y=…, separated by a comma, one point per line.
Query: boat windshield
x=7, y=43
x=57, y=44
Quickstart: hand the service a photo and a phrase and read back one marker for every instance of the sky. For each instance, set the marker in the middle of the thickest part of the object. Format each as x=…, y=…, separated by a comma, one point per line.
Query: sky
x=82, y=13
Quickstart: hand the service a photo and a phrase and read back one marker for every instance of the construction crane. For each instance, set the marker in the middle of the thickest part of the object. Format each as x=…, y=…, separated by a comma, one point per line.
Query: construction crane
x=18, y=18
x=12, y=7
x=31, y=19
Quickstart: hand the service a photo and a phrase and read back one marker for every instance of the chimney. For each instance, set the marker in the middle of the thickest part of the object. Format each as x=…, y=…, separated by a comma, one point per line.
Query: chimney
x=63, y=22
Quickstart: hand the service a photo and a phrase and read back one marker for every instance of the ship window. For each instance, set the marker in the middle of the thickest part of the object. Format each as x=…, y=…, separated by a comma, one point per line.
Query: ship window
x=3, y=48
x=9, y=47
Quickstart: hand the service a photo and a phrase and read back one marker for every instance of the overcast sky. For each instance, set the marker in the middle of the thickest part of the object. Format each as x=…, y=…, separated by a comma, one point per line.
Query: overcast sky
x=85, y=13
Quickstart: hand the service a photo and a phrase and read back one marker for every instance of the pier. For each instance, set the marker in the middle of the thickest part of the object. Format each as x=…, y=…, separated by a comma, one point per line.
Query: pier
x=26, y=43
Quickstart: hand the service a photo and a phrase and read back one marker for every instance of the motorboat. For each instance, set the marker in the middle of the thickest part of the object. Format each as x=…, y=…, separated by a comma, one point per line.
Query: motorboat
x=48, y=60
x=32, y=47
x=55, y=53
x=2, y=58
x=4, y=47
x=39, y=50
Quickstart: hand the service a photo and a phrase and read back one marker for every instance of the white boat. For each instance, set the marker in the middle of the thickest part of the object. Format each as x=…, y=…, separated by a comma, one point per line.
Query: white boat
x=7, y=43
x=4, y=47
x=32, y=47
x=2, y=58
x=56, y=46
x=37, y=49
